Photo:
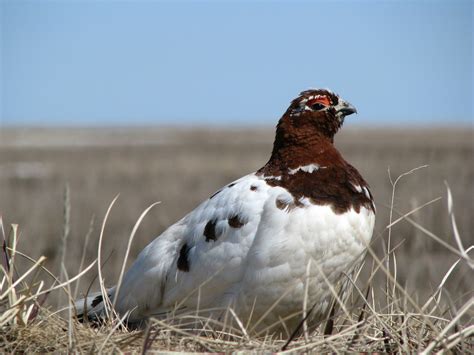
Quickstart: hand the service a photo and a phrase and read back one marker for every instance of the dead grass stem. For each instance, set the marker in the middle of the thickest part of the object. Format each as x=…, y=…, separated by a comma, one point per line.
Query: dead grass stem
x=396, y=322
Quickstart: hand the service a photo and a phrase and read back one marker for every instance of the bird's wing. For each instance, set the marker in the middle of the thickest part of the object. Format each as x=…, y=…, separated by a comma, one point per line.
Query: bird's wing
x=199, y=258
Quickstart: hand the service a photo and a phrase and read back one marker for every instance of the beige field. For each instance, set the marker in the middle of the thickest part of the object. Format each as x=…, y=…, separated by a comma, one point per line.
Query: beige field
x=181, y=167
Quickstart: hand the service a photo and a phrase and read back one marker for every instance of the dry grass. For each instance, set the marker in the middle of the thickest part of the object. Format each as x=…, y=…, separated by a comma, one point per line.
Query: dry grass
x=386, y=311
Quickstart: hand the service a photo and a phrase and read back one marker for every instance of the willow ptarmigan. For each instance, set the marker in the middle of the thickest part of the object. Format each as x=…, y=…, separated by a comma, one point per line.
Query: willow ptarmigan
x=267, y=242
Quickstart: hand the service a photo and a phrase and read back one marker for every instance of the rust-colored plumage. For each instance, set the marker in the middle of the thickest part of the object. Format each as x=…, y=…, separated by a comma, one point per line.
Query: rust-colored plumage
x=305, y=138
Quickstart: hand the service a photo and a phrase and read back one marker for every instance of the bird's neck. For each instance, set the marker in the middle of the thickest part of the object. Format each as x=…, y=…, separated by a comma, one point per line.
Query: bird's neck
x=300, y=146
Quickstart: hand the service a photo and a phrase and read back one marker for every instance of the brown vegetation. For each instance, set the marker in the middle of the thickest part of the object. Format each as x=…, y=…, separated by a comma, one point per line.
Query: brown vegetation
x=180, y=168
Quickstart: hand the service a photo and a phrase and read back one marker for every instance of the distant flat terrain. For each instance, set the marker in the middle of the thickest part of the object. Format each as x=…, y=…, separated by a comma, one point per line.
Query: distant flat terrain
x=182, y=167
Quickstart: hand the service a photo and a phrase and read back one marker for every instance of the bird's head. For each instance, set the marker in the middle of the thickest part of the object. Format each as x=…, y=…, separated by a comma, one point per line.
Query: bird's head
x=319, y=110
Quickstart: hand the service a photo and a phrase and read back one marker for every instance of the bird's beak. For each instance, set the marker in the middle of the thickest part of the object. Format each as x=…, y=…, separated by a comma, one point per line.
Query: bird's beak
x=343, y=108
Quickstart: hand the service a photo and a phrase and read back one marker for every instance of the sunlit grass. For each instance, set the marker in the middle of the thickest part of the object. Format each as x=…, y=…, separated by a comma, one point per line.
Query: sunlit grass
x=372, y=318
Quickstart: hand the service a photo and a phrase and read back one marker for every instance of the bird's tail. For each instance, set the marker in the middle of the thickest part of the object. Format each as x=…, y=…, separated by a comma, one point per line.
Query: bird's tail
x=92, y=307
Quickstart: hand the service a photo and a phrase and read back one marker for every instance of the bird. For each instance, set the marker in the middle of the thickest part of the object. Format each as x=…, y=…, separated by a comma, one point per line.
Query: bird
x=269, y=247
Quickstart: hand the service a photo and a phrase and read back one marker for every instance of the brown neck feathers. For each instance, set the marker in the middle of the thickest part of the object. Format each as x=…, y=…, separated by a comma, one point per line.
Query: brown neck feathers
x=305, y=162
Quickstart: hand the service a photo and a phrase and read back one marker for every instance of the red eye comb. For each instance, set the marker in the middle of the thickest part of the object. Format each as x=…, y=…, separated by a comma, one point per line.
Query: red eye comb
x=322, y=99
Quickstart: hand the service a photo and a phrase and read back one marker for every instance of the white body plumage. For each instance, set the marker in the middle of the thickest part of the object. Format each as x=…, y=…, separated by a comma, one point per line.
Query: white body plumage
x=268, y=260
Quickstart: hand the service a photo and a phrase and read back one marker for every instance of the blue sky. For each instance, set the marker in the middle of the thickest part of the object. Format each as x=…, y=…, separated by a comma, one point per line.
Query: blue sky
x=232, y=63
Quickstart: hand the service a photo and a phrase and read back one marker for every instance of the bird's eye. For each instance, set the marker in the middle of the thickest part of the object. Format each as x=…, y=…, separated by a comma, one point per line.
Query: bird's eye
x=317, y=106
x=318, y=103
